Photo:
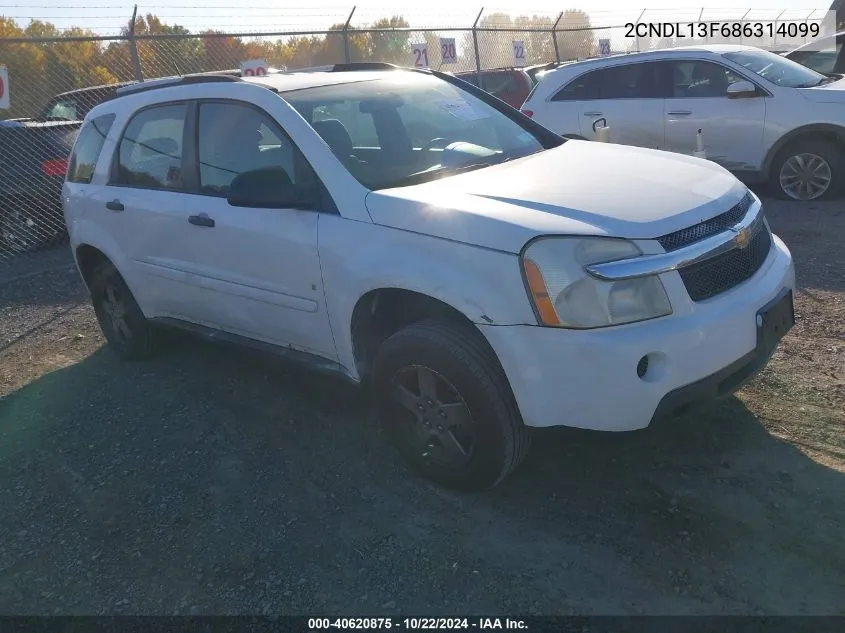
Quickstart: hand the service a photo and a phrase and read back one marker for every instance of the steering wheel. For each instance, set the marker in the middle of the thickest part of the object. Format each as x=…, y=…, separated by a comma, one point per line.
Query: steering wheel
x=435, y=142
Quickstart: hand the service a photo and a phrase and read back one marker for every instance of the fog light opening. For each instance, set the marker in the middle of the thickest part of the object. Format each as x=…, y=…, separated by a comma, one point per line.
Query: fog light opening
x=642, y=366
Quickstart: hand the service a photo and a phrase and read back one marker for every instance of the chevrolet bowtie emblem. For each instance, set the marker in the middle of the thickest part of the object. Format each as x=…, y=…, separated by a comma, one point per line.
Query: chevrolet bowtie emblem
x=743, y=237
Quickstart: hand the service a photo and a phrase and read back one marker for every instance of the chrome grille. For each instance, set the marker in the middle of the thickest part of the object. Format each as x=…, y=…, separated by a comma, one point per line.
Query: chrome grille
x=719, y=274
x=708, y=228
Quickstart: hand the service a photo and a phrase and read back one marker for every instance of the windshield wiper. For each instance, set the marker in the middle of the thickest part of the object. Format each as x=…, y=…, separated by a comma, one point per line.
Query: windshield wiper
x=433, y=174
x=813, y=84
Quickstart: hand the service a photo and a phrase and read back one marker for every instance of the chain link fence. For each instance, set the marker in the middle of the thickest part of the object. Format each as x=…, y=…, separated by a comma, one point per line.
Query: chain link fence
x=41, y=67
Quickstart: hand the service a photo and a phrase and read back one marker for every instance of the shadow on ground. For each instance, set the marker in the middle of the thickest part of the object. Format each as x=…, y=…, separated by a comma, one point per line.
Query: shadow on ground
x=210, y=480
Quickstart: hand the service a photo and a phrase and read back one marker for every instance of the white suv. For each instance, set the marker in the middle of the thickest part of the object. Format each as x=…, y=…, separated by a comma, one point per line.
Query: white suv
x=762, y=116
x=404, y=230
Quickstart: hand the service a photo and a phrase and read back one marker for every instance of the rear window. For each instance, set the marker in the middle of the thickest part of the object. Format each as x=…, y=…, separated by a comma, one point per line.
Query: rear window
x=86, y=150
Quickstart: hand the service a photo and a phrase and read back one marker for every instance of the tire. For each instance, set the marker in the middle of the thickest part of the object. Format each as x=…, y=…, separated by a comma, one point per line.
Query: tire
x=471, y=387
x=827, y=155
x=133, y=339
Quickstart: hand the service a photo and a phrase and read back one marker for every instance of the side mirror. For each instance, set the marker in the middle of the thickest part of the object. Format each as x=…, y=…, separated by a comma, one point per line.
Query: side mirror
x=269, y=188
x=742, y=89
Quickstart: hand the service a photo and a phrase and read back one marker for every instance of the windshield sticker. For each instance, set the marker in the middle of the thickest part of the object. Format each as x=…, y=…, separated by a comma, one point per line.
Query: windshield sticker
x=460, y=109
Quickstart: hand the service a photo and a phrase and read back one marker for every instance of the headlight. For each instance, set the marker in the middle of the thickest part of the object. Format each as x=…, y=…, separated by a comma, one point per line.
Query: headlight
x=565, y=295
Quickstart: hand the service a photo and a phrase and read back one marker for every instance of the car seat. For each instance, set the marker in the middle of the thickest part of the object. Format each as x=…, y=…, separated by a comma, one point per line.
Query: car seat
x=337, y=137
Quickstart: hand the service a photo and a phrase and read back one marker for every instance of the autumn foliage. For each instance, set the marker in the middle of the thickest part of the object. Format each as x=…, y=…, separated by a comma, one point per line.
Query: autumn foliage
x=56, y=61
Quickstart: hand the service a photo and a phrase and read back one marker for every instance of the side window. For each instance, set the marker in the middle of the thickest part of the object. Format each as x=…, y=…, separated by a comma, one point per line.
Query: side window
x=694, y=79
x=150, y=152
x=628, y=81
x=582, y=88
x=86, y=150
x=236, y=138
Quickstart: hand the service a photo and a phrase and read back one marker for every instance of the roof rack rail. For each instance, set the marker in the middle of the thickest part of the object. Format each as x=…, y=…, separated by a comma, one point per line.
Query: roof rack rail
x=166, y=82
x=353, y=66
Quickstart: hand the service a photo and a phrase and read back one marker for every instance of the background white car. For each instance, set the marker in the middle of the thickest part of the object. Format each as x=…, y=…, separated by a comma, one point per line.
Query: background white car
x=762, y=116
x=823, y=55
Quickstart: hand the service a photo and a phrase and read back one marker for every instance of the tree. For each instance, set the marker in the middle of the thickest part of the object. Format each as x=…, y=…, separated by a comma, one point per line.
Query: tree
x=25, y=63
x=166, y=57
x=575, y=36
x=221, y=52
x=391, y=47
x=495, y=48
x=538, y=39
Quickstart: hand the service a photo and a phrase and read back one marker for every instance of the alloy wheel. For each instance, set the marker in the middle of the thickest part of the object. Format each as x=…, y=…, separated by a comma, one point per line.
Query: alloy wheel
x=805, y=176
x=436, y=421
x=115, y=312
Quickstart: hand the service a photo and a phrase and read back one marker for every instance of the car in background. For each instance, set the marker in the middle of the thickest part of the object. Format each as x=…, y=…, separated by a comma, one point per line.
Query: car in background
x=537, y=71
x=33, y=162
x=75, y=104
x=824, y=55
x=761, y=116
x=511, y=85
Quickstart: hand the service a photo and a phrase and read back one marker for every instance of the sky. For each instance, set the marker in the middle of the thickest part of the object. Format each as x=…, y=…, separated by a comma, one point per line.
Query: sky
x=269, y=15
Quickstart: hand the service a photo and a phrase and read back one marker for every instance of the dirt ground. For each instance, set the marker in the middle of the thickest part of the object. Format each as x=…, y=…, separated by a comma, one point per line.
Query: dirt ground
x=209, y=480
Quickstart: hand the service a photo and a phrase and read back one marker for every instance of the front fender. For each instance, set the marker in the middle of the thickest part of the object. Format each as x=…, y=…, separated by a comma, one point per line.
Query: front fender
x=833, y=132
x=485, y=285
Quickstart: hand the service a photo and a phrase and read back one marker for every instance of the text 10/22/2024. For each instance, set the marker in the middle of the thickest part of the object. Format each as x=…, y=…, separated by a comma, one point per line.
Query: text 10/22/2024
x=417, y=624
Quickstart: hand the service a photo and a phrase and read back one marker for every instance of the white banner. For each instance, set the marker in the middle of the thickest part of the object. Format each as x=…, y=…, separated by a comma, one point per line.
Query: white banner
x=254, y=68
x=518, y=53
x=4, y=88
x=419, y=55
x=447, y=50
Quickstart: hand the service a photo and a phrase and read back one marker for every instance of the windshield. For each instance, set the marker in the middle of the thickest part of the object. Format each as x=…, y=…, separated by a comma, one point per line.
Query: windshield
x=776, y=69
x=408, y=128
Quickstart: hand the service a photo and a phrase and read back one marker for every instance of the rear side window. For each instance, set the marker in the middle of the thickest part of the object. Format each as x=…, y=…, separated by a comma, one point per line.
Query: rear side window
x=499, y=83
x=150, y=152
x=64, y=110
x=581, y=88
x=628, y=81
x=86, y=150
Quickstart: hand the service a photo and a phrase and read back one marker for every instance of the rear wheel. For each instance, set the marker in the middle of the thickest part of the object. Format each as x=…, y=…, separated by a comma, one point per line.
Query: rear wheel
x=446, y=404
x=123, y=323
x=808, y=170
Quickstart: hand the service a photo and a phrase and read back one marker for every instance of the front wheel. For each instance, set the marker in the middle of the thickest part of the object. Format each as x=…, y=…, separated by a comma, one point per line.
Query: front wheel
x=808, y=170
x=446, y=405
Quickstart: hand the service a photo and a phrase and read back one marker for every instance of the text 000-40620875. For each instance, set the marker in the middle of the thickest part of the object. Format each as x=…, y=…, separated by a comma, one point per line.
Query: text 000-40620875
x=416, y=623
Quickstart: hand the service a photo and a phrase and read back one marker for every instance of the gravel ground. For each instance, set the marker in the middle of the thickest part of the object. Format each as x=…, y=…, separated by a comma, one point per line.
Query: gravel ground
x=210, y=480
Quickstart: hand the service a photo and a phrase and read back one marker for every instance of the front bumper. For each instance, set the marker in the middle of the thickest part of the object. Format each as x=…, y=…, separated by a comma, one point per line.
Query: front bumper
x=588, y=379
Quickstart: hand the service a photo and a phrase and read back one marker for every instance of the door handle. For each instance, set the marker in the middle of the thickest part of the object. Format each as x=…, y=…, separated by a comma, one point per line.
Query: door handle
x=592, y=114
x=201, y=220
x=680, y=112
x=114, y=205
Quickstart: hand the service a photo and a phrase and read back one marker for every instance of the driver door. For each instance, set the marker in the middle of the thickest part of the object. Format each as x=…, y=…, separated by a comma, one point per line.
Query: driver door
x=259, y=268
x=732, y=129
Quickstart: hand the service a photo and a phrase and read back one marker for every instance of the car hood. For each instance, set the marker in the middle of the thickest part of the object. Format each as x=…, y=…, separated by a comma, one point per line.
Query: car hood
x=579, y=188
x=834, y=92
